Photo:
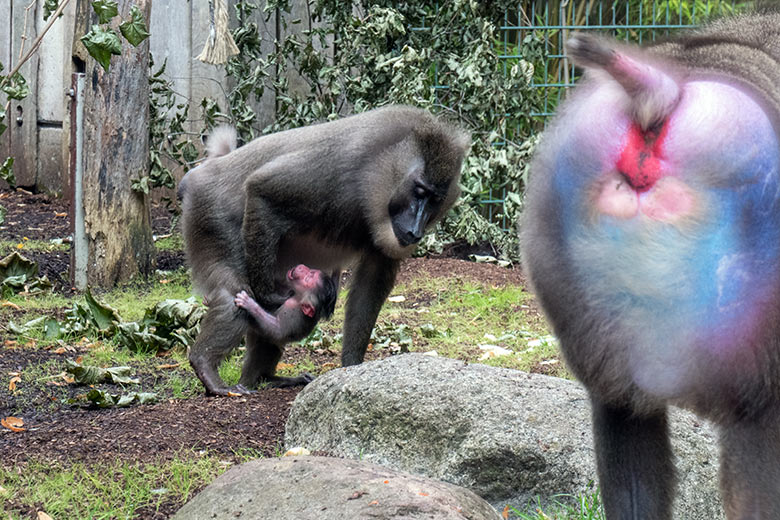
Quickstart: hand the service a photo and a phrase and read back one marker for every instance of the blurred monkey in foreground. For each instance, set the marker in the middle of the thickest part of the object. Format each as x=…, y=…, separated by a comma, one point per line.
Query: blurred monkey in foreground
x=652, y=239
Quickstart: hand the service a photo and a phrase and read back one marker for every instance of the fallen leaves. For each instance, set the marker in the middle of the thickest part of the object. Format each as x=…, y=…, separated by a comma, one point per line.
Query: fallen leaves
x=103, y=399
x=12, y=423
x=90, y=375
x=14, y=379
x=298, y=451
x=66, y=378
x=12, y=305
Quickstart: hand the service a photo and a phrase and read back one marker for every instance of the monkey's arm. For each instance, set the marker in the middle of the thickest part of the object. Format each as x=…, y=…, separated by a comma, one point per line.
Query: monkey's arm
x=270, y=325
x=372, y=282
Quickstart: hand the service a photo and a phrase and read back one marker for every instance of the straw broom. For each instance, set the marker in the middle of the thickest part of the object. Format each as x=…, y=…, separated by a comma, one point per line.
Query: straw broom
x=219, y=45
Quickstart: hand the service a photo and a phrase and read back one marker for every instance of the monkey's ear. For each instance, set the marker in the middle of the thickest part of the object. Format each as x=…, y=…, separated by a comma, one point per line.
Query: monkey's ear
x=308, y=309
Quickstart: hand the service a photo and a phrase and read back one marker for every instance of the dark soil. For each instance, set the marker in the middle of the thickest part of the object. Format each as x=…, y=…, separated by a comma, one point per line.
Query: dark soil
x=224, y=426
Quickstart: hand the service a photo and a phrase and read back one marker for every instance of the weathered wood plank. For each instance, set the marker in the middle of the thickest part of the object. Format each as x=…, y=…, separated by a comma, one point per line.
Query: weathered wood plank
x=265, y=108
x=170, y=39
x=5, y=55
x=53, y=65
x=23, y=129
x=207, y=80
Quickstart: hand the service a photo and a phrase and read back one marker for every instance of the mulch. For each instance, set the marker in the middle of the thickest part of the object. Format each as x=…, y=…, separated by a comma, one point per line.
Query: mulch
x=162, y=431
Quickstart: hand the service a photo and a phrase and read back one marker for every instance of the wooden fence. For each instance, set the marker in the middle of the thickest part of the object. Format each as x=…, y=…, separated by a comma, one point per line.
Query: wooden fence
x=38, y=133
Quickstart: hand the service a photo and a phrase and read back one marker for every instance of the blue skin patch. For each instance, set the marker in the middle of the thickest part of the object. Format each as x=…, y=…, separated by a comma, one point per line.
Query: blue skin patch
x=699, y=285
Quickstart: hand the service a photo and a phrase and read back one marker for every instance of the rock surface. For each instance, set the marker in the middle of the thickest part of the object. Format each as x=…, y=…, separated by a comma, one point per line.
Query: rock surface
x=322, y=488
x=511, y=437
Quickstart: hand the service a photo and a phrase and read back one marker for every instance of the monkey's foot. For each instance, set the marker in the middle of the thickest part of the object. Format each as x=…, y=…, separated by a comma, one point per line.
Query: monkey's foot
x=230, y=391
x=284, y=382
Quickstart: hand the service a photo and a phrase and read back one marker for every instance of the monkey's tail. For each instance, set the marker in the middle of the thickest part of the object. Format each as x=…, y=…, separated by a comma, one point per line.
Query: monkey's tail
x=222, y=140
x=653, y=93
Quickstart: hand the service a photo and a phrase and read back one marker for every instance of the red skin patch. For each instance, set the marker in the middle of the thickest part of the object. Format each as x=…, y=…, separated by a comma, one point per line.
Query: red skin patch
x=640, y=160
x=641, y=186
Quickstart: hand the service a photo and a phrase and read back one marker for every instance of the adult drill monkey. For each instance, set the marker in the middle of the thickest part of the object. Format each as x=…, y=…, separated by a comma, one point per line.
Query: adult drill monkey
x=652, y=239
x=361, y=190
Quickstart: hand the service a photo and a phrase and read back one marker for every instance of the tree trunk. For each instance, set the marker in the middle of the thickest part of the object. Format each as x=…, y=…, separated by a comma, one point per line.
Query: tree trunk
x=116, y=150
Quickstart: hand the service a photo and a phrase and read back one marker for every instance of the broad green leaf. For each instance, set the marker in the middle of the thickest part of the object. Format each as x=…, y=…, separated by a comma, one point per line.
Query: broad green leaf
x=104, y=399
x=121, y=375
x=7, y=171
x=140, y=185
x=15, y=265
x=136, y=398
x=136, y=338
x=101, y=398
x=52, y=329
x=101, y=44
x=134, y=30
x=105, y=9
x=104, y=317
x=27, y=327
x=16, y=87
x=92, y=375
x=3, y=126
x=49, y=6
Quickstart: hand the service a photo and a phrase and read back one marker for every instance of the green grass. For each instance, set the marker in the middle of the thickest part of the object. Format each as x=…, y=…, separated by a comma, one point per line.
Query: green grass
x=171, y=243
x=9, y=246
x=106, y=490
x=563, y=507
x=131, y=301
x=453, y=316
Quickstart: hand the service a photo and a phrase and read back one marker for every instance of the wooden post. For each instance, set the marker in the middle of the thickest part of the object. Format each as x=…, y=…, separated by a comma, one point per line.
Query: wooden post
x=23, y=114
x=116, y=150
x=5, y=59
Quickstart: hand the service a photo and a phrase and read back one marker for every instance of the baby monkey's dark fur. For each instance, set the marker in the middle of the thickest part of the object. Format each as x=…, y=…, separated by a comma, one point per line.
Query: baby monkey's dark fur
x=357, y=191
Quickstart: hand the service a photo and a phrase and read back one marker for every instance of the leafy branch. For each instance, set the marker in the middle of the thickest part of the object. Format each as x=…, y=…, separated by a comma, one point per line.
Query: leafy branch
x=102, y=41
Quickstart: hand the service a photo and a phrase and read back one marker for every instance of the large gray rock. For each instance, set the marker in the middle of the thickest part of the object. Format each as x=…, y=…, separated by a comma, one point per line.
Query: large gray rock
x=321, y=488
x=509, y=436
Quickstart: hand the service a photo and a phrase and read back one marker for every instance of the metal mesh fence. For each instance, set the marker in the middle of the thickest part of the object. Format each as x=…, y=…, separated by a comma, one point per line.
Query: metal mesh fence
x=548, y=24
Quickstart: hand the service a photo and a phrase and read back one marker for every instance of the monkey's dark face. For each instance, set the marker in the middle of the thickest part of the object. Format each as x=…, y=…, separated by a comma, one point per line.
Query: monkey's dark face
x=419, y=184
x=412, y=209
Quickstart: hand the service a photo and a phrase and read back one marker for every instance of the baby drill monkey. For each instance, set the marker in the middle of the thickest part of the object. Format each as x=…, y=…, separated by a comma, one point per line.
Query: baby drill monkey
x=313, y=296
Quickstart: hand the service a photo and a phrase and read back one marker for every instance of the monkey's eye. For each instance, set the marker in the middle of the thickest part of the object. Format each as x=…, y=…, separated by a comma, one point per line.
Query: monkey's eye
x=420, y=192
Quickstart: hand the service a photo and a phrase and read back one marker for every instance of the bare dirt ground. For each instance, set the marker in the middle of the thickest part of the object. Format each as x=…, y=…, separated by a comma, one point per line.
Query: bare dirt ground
x=223, y=426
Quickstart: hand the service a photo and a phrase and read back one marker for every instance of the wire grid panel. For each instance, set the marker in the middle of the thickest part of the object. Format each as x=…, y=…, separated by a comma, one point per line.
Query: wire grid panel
x=634, y=21
x=548, y=24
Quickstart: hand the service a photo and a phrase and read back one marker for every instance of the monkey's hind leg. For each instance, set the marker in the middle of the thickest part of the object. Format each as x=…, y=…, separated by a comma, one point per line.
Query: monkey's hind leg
x=221, y=331
x=750, y=467
x=634, y=462
x=260, y=362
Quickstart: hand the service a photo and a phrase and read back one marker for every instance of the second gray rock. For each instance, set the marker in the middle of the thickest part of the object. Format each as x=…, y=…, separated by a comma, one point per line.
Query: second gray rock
x=509, y=436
